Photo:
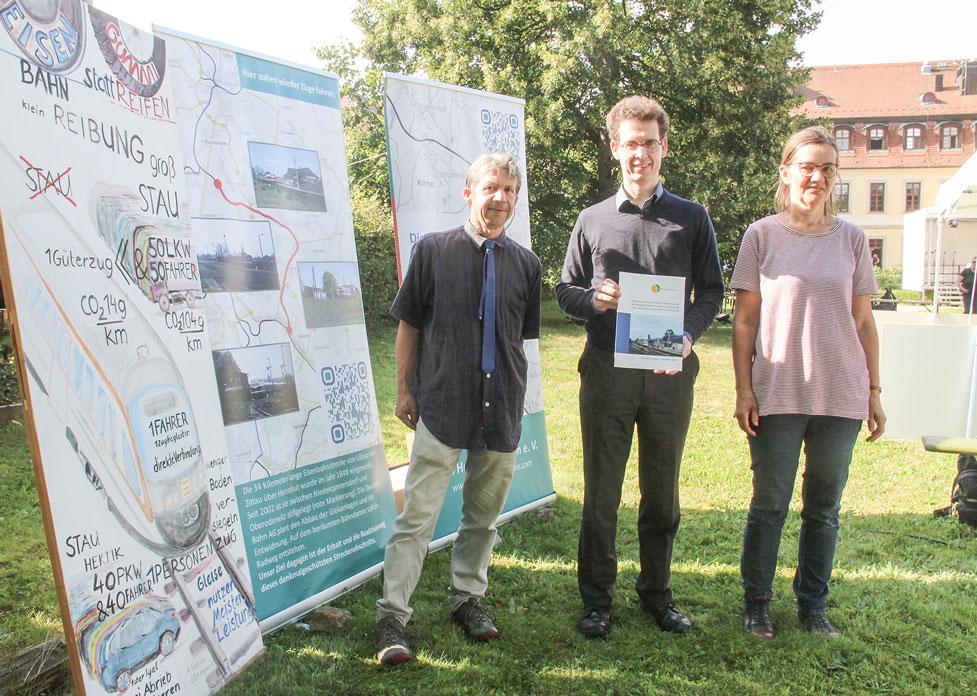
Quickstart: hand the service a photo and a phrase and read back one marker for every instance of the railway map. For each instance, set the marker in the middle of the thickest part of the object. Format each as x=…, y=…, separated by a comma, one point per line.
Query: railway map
x=272, y=228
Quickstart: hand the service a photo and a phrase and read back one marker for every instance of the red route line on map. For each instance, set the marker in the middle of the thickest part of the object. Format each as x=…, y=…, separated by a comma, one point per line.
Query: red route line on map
x=219, y=185
x=50, y=184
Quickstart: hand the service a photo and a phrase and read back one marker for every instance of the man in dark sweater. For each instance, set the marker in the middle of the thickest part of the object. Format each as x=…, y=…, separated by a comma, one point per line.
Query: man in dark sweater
x=469, y=299
x=641, y=229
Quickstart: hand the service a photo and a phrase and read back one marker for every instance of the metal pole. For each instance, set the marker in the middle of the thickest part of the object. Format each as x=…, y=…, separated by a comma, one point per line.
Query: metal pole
x=936, y=263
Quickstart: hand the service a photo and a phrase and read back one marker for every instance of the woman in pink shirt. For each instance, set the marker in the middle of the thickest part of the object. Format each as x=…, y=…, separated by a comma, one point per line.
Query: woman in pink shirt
x=806, y=360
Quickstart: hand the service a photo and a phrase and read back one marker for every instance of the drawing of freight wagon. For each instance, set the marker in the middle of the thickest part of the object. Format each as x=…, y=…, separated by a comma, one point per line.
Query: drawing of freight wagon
x=165, y=266
x=114, y=647
x=139, y=449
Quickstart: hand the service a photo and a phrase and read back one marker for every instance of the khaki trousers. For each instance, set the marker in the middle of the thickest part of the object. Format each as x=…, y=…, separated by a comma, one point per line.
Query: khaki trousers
x=488, y=475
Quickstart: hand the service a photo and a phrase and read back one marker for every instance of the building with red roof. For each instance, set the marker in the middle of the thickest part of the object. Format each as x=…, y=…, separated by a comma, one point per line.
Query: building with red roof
x=901, y=129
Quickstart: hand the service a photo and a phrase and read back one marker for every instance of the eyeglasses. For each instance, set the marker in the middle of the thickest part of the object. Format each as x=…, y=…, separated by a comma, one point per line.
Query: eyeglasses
x=652, y=145
x=829, y=169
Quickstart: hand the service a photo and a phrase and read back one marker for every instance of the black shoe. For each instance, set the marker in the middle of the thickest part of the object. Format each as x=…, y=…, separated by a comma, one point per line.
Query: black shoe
x=476, y=621
x=817, y=622
x=595, y=623
x=756, y=618
x=669, y=618
x=392, y=645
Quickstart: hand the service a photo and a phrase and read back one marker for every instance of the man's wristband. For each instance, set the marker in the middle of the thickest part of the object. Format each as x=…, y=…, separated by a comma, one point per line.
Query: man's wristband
x=875, y=387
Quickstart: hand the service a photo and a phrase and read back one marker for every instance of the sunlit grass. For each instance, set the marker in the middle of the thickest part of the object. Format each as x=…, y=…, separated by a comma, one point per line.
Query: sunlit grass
x=903, y=589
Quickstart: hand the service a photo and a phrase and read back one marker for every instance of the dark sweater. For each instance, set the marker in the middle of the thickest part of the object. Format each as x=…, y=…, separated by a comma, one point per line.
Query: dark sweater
x=670, y=236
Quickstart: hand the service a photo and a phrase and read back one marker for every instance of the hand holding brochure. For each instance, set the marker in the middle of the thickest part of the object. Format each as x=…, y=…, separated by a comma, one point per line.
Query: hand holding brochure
x=650, y=322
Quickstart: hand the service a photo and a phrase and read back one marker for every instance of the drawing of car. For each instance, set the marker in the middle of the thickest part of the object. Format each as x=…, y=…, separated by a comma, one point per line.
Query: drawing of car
x=116, y=647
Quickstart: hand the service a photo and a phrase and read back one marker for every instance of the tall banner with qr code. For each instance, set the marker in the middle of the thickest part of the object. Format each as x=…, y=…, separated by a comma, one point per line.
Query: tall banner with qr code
x=434, y=132
x=271, y=220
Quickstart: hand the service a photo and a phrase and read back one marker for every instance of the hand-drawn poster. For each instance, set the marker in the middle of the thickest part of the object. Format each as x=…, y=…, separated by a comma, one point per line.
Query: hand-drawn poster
x=434, y=132
x=272, y=226
x=123, y=416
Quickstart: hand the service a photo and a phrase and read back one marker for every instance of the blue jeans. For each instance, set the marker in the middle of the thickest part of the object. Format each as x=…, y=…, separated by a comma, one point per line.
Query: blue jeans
x=828, y=442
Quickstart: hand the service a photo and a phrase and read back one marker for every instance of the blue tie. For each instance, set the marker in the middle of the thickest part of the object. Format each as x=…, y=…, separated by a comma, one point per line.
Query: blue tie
x=486, y=308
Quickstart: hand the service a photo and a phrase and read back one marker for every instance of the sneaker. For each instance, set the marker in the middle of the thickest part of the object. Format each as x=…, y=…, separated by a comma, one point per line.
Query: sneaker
x=817, y=622
x=476, y=620
x=392, y=645
x=669, y=618
x=756, y=618
x=595, y=623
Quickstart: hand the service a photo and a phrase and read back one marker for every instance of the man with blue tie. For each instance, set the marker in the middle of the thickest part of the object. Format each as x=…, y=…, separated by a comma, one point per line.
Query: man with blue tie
x=470, y=297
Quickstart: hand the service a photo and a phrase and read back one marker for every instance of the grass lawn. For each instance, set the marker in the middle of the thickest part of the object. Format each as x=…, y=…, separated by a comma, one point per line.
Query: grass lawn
x=903, y=593
x=333, y=311
x=271, y=196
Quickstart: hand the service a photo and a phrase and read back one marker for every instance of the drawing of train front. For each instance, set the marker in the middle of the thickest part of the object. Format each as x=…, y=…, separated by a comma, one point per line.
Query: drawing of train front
x=139, y=449
x=168, y=449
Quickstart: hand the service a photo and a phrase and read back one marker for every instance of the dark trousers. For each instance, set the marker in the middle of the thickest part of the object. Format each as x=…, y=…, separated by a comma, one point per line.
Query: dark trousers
x=965, y=299
x=612, y=401
x=828, y=444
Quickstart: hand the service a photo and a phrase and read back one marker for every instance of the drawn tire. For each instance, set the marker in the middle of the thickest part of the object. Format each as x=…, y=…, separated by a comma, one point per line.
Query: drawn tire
x=164, y=302
x=167, y=641
x=122, y=680
x=106, y=28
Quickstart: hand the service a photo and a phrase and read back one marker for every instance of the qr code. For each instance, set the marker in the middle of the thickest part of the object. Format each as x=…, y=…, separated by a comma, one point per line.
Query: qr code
x=500, y=132
x=348, y=401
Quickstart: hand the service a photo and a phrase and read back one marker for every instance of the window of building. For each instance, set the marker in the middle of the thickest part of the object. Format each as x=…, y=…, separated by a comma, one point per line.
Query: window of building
x=876, y=138
x=822, y=102
x=843, y=138
x=876, y=247
x=841, y=197
x=913, y=138
x=949, y=138
x=913, y=192
x=876, y=198
x=927, y=98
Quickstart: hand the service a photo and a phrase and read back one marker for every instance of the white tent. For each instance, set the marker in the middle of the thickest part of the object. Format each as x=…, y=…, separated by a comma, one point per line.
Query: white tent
x=955, y=200
x=942, y=235
x=928, y=362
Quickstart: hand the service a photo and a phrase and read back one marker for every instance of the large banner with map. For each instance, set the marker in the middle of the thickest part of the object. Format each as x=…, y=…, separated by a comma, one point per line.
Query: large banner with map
x=272, y=226
x=434, y=132
x=121, y=401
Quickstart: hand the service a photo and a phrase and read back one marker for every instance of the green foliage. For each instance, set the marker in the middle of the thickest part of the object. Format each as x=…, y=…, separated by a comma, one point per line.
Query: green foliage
x=369, y=187
x=888, y=277
x=726, y=73
x=376, y=254
x=9, y=391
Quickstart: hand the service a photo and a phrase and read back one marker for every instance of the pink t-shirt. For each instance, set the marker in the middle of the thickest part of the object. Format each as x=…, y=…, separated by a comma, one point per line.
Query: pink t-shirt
x=808, y=356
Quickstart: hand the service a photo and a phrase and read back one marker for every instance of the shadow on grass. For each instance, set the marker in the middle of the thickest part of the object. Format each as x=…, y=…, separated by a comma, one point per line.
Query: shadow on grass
x=902, y=595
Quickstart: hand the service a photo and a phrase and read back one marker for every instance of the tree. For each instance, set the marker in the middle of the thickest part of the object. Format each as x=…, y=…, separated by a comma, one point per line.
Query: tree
x=727, y=71
x=330, y=287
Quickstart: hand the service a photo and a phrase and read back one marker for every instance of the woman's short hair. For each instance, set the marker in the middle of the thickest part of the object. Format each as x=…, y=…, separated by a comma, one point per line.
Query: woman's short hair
x=490, y=161
x=812, y=135
x=636, y=108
